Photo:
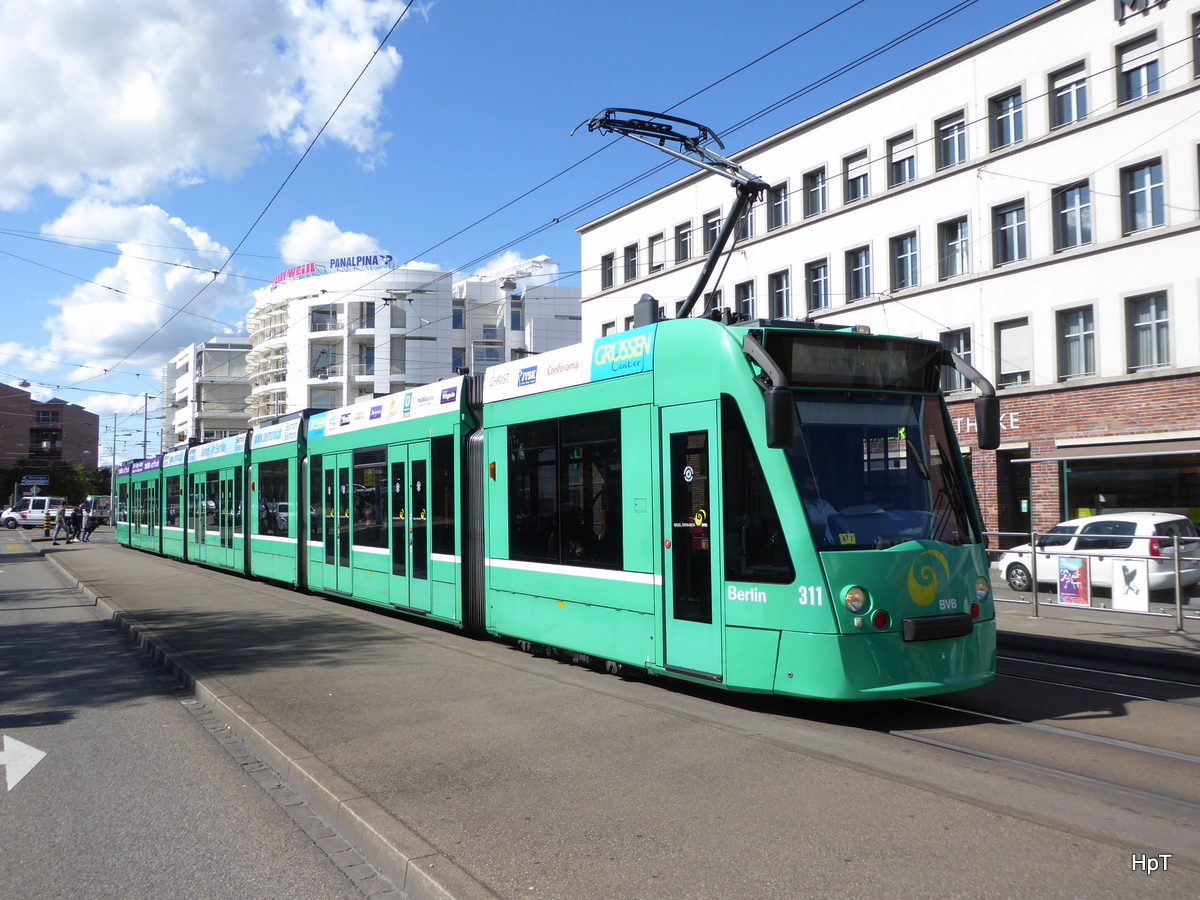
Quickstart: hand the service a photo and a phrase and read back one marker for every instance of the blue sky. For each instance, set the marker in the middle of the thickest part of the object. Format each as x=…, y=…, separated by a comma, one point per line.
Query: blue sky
x=149, y=136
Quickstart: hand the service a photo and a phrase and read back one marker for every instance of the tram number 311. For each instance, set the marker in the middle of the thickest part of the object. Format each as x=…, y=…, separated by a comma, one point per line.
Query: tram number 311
x=812, y=595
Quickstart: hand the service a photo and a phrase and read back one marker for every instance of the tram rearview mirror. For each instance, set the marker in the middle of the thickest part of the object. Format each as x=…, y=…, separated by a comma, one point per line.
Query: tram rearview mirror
x=987, y=422
x=780, y=418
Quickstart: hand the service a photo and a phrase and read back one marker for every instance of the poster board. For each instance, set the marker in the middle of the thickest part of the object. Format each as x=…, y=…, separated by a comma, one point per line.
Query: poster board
x=1074, y=583
x=1131, y=585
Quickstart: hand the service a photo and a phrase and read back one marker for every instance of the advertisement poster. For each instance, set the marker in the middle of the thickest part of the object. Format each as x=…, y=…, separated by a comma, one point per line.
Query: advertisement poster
x=1074, y=587
x=1131, y=585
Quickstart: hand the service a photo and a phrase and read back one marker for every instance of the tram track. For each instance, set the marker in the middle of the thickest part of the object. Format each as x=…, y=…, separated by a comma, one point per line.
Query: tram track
x=1191, y=805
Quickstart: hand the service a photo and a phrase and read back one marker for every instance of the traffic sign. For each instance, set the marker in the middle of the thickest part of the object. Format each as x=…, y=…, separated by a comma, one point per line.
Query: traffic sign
x=43, y=480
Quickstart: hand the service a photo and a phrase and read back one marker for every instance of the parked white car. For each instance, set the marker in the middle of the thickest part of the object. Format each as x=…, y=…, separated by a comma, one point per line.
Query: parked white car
x=1131, y=535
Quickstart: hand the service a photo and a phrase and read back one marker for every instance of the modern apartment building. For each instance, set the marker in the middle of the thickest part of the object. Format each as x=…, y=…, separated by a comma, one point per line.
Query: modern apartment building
x=324, y=339
x=205, y=390
x=1030, y=200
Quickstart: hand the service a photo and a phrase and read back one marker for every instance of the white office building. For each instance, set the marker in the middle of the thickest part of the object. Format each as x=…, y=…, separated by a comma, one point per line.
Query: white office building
x=324, y=337
x=1030, y=200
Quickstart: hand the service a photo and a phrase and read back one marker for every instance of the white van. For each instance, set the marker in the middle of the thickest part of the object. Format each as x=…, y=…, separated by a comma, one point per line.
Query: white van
x=31, y=511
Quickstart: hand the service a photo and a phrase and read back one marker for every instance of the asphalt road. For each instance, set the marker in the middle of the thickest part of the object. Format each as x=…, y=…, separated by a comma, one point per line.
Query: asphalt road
x=133, y=798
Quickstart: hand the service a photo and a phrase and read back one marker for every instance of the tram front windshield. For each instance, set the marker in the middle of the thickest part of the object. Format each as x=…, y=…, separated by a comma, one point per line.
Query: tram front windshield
x=877, y=470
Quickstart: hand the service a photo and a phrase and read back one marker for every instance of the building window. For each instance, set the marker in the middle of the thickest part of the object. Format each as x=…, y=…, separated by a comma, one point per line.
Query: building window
x=608, y=328
x=1137, y=65
x=515, y=313
x=1076, y=344
x=1149, y=332
x=46, y=417
x=324, y=398
x=816, y=285
x=743, y=298
x=631, y=262
x=712, y=227
x=1007, y=120
x=856, y=176
x=1014, y=353
x=607, y=264
x=858, y=274
x=628, y=322
x=904, y=262
x=744, y=230
x=1068, y=96
x=816, y=197
x=654, y=252
x=458, y=357
x=902, y=160
x=1008, y=231
x=1072, y=216
x=779, y=286
x=951, y=140
x=1196, y=46
x=958, y=342
x=683, y=242
x=712, y=300
x=816, y=282
x=324, y=318
x=954, y=249
x=777, y=207
x=1142, y=197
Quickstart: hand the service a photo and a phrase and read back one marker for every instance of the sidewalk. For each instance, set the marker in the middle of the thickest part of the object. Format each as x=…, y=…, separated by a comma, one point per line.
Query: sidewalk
x=1134, y=639
x=467, y=770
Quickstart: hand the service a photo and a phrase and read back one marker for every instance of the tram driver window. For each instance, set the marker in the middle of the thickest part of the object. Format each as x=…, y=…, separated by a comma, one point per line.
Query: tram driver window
x=755, y=547
x=565, y=490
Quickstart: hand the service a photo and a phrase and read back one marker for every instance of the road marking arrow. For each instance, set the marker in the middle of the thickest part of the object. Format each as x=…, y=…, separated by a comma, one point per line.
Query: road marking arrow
x=18, y=759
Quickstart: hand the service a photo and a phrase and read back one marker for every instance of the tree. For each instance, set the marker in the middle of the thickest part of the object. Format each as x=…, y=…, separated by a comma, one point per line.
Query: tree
x=73, y=482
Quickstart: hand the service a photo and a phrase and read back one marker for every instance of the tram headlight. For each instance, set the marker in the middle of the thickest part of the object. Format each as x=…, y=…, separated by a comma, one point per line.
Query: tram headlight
x=982, y=588
x=856, y=599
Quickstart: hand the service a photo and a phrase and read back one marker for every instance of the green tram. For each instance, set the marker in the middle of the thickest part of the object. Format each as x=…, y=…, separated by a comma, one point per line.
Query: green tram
x=763, y=506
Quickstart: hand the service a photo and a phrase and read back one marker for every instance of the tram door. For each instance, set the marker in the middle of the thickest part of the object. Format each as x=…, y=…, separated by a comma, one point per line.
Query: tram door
x=693, y=614
x=408, y=479
x=339, y=502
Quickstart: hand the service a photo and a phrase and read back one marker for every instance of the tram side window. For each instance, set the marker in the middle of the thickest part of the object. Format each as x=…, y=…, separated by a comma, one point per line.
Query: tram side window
x=565, y=490
x=316, y=507
x=370, y=497
x=212, y=518
x=755, y=546
x=441, y=500
x=272, y=491
x=123, y=502
x=172, y=500
x=238, y=480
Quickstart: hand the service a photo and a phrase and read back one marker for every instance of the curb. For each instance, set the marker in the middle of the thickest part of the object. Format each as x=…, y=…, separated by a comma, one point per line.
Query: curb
x=414, y=866
x=1174, y=660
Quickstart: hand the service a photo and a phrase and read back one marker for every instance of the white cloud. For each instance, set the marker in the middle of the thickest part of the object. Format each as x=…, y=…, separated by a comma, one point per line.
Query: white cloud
x=318, y=240
x=163, y=265
x=117, y=98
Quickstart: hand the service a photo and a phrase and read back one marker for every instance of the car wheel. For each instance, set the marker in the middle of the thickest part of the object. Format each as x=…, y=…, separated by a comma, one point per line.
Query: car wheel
x=10, y=523
x=1018, y=577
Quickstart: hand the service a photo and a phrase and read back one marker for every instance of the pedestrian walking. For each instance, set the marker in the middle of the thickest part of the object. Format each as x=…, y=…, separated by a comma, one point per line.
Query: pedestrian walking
x=89, y=526
x=75, y=523
x=60, y=523
x=86, y=518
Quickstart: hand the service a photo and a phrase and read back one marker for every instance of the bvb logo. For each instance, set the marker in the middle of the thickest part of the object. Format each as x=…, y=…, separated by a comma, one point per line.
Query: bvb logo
x=923, y=579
